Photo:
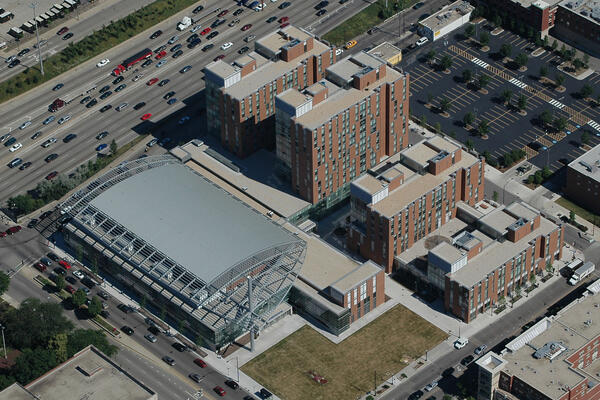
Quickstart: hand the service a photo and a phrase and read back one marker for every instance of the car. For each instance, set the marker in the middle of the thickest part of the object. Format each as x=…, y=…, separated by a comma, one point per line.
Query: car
x=196, y=28
x=85, y=290
x=105, y=108
x=102, y=294
x=163, y=82
x=350, y=44
x=222, y=13
x=205, y=31
x=146, y=63
x=106, y=88
x=160, y=55
x=175, y=48
x=85, y=99
x=197, y=9
x=13, y=229
x=431, y=386
x=36, y=135
x=14, y=63
x=172, y=101
x=283, y=19
x=128, y=330
x=264, y=393
x=156, y=34
x=194, y=43
x=219, y=390
x=64, y=264
x=233, y=23
x=248, y=398
x=101, y=147
x=321, y=12
x=232, y=384
x=65, y=219
x=249, y=38
x=15, y=147
x=68, y=36
x=52, y=174
x=24, y=166
x=105, y=95
x=78, y=274
x=185, y=69
x=285, y=4
x=243, y=50
x=45, y=214
x=168, y=360
x=120, y=87
x=246, y=27
x=154, y=330
x=47, y=262
x=460, y=343
x=10, y=59
x=91, y=103
x=177, y=53
x=208, y=47
x=271, y=19
x=139, y=105
x=33, y=223
x=25, y=125
x=447, y=372
x=322, y=4
x=200, y=362
x=125, y=308
x=169, y=95
x=195, y=377
x=121, y=106
x=183, y=120
x=58, y=87
x=69, y=137
x=4, y=137
x=212, y=35
x=173, y=39
x=137, y=77
x=219, y=57
x=161, y=63
x=62, y=30
x=160, y=48
x=145, y=116
x=49, y=119
x=40, y=267
x=65, y=119
x=467, y=360
x=51, y=157
x=150, y=337
x=102, y=62
x=416, y=395
x=422, y=41
x=418, y=5
x=48, y=142
x=226, y=45
x=191, y=38
x=480, y=349
x=238, y=11
x=23, y=52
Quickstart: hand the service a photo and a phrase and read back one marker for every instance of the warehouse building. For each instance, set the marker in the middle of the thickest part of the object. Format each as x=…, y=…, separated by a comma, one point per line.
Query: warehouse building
x=448, y=19
x=582, y=184
x=578, y=23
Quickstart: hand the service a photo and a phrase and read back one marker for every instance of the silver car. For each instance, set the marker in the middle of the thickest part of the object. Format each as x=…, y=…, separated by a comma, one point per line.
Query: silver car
x=173, y=39
x=161, y=63
x=25, y=125
x=150, y=337
x=64, y=119
x=49, y=119
x=121, y=106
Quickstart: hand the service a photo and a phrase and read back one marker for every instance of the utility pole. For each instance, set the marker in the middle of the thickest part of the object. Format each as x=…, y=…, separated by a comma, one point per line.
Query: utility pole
x=37, y=35
x=3, y=342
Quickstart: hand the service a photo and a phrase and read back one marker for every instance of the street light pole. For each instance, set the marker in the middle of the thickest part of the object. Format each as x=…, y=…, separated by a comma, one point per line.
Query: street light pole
x=37, y=35
x=3, y=342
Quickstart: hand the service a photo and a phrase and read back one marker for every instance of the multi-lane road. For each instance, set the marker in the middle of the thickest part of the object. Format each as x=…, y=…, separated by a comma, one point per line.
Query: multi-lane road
x=126, y=125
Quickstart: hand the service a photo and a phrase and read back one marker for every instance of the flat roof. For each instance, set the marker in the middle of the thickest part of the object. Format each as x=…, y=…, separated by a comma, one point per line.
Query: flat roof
x=194, y=222
x=354, y=278
x=522, y=210
x=447, y=15
x=222, y=69
x=588, y=9
x=369, y=183
x=420, y=153
x=385, y=50
x=294, y=97
x=447, y=252
x=274, y=41
x=588, y=164
x=498, y=220
x=88, y=375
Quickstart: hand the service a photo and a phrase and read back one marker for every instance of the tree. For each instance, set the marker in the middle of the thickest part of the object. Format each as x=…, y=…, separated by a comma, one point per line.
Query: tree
x=430, y=56
x=483, y=128
x=497, y=21
x=60, y=283
x=113, y=147
x=572, y=216
x=468, y=118
x=58, y=344
x=429, y=98
x=483, y=80
x=81, y=338
x=578, y=64
x=546, y=173
x=467, y=75
x=438, y=127
x=585, y=138
x=543, y=71
x=446, y=62
x=560, y=123
x=423, y=120
x=95, y=307
x=495, y=196
x=586, y=60
x=549, y=267
x=444, y=104
x=560, y=79
x=78, y=298
x=586, y=91
x=546, y=117
x=538, y=177
x=6, y=381
x=522, y=102
x=532, y=278
x=521, y=60
x=506, y=50
x=484, y=38
x=469, y=144
x=507, y=95
x=33, y=363
x=507, y=159
x=4, y=282
x=554, y=45
x=470, y=30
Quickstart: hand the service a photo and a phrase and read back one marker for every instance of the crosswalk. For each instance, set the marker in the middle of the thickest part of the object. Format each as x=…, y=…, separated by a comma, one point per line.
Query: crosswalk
x=518, y=83
x=556, y=104
x=481, y=63
x=594, y=124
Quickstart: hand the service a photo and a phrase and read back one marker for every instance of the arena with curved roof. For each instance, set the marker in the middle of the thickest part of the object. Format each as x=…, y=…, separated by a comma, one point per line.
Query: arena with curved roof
x=212, y=263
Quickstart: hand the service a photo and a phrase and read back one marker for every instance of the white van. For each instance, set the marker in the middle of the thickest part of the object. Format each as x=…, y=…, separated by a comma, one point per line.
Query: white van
x=422, y=41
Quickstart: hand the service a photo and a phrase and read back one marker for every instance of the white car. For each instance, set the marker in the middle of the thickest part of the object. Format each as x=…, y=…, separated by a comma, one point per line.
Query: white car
x=78, y=274
x=102, y=63
x=422, y=41
x=431, y=386
x=25, y=125
x=461, y=342
x=338, y=51
x=196, y=28
x=15, y=147
x=226, y=45
x=64, y=119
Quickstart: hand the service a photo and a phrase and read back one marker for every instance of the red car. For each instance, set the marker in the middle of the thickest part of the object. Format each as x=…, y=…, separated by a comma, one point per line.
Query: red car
x=219, y=57
x=161, y=55
x=222, y=13
x=152, y=81
x=64, y=264
x=70, y=289
x=40, y=267
x=51, y=175
x=2, y=234
x=220, y=391
x=62, y=30
x=200, y=362
x=283, y=19
x=284, y=25
x=146, y=116
x=246, y=27
x=205, y=31
x=13, y=229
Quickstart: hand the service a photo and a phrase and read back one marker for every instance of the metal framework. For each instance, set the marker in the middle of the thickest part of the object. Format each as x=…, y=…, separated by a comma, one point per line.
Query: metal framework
x=225, y=298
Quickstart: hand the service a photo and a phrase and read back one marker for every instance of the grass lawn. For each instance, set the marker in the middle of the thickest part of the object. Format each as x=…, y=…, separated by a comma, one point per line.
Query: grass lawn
x=579, y=211
x=364, y=20
x=385, y=345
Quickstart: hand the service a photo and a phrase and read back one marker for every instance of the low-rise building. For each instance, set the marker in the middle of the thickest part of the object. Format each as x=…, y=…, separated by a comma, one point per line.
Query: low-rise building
x=449, y=18
x=387, y=52
x=582, y=184
x=578, y=23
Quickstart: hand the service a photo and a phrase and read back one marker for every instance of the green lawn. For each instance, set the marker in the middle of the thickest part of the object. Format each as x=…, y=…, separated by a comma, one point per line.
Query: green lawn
x=384, y=346
x=364, y=20
x=579, y=211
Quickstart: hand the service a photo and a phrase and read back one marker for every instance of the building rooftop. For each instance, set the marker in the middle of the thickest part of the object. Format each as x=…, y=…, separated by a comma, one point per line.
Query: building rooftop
x=386, y=51
x=225, y=230
x=274, y=41
x=588, y=9
x=447, y=252
x=355, y=277
x=522, y=210
x=88, y=375
x=588, y=164
x=420, y=154
x=498, y=220
x=447, y=15
x=294, y=97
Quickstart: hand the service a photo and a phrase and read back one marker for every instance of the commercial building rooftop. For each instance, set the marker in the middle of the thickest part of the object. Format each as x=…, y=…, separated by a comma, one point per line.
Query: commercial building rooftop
x=588, y=9
x=387, y=52
x=447, y=15
x=588, y=164
x=541, y=4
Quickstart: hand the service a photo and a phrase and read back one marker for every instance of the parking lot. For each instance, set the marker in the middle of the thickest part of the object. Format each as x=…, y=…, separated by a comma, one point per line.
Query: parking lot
x=508, y=129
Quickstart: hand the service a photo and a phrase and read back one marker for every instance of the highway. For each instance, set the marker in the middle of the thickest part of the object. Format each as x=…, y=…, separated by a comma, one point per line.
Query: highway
x=126, y=125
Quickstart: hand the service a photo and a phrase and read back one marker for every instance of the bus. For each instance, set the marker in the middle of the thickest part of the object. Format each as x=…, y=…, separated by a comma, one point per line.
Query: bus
x=129, y=62
x=6, y=16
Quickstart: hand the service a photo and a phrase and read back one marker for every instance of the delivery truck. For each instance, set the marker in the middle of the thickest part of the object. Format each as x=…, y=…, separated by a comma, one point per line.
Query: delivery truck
x=581, y=273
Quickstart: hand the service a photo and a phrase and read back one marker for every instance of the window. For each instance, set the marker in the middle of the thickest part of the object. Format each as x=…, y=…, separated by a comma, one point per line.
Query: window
x=363, y=291
x=355, y=295
x=374, y=281
x=348, y=301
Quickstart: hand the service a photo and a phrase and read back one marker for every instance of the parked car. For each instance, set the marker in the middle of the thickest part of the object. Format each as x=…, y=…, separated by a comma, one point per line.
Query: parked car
x=431, y=386
x=128, y=330
x=480, y=349
x=467, y=360
x=219, y=390
x=232, y=384
x=179, y=347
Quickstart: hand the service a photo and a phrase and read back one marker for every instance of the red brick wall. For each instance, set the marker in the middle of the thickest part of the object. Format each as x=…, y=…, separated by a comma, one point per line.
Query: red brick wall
x=379, y=296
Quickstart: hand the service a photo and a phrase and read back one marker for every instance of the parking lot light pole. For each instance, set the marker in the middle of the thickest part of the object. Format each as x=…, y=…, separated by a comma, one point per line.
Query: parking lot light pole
x=37, y=35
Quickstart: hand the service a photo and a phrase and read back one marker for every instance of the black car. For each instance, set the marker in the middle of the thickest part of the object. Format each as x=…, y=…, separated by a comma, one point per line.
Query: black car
x=185, y=69
x=25, y=165
x=169, y=95
x=36, y=135
x=175, y=48
x=243, y=50
x=102, y=135
x=105, y=95
x=265, y=394
x=125, y=308
x=146, y=63
x=163, y=82
x=156, y=34
x=51, y=157
x=68, y=36
x=14, y=63
x=105, y=314
x=177, y=53
x=53, y=256
x=467, y=360
x=91, y=103
x=60, y=271
x=105, y=88
x=85, y=99
x=88, y=282
x=69, y=137
x=197, y=9
x=161, y=48
x=208, y=47
x=154, y=330
x=194, y=43
x=10, y=142
x=212, y=35
x=106, y=108
x=191, y=38
x=322, y=4
x=102, y=294
x=179, y=347
x=71, y=280
x=284, y=5
x=139, y=105
x=45, y=214
x=238, y=11
x=128, y=330
x=115, y=81
x=33, y=223
x=120, y=87
x=321, y=12
x=416, y=395
x=65, y=219
x=218, y=22
x=447, y=372
x=23, y=52
x=58, y=87
x=232, y=384
x=271, y=19
x=418, y=5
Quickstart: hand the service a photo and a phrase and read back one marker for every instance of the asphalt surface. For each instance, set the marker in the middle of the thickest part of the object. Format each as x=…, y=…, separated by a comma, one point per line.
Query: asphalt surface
x=126, y=125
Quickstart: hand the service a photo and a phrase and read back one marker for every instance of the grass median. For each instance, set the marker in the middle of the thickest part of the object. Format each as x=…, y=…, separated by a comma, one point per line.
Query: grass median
x=366, y=19
x=384, y=346
x=91, y=46
x=579, y=211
